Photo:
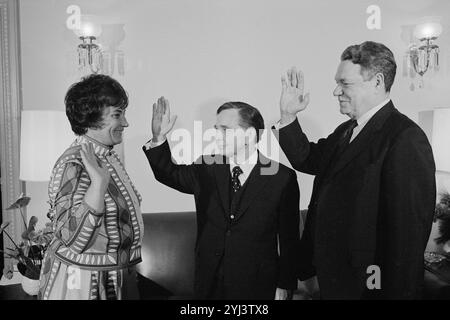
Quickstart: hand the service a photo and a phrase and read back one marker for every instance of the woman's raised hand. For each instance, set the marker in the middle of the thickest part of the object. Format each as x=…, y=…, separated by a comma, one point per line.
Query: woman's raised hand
x=98, y=174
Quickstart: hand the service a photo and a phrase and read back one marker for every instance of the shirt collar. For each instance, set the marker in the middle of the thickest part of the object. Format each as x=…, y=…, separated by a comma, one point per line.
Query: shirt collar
x=369, y=114
x=248, y=164
x=99, y=148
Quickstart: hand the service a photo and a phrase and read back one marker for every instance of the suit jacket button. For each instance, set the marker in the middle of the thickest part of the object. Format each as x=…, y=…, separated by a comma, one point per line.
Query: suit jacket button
x=232, y=217
x=228, y=232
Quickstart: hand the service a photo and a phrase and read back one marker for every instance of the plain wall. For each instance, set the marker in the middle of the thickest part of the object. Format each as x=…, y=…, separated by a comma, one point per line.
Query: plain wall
x=201, y=53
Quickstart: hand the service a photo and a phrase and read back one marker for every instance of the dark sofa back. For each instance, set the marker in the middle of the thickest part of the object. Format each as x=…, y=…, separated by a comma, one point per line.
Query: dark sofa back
x=168, y=254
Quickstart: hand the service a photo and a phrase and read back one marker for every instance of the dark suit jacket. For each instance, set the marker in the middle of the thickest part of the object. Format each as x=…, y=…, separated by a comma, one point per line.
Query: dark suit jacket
x=373, y=206
x=269, y=208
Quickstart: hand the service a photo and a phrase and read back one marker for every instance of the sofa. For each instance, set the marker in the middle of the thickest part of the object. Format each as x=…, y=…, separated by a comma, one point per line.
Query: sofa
x=167, y=269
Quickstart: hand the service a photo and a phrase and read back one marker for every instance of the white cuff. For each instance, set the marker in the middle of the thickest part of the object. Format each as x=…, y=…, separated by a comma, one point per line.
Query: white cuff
x=152, y=144
x=278, y=125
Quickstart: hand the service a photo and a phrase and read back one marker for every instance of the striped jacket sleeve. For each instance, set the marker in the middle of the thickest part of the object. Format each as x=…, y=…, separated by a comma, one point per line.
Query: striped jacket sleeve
x=77, y=224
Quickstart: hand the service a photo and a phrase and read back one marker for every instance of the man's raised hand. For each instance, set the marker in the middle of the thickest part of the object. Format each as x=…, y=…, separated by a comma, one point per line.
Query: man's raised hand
x=292, y=99
x=162, y=122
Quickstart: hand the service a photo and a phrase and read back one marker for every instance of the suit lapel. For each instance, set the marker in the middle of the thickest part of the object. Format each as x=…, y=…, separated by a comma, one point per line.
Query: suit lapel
x=254, y=185
x=364, y=138
x=222, y=175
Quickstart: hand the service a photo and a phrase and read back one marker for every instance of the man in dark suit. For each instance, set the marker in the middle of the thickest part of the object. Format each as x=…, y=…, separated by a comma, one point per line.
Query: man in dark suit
x=374, y=191
x=247, y=207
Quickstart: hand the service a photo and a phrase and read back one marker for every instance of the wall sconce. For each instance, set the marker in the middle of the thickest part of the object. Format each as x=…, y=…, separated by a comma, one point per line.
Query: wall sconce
x=89, y=53
x=426, y=55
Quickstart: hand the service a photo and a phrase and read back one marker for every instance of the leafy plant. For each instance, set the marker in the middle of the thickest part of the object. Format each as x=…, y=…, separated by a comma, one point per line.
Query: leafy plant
x=30, y=252
x=442, y=214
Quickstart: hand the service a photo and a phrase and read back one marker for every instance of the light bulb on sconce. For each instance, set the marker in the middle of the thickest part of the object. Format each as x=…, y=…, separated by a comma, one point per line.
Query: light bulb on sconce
x=88, y=28
x=428, y=30
x=426, y=55
x=89, y=53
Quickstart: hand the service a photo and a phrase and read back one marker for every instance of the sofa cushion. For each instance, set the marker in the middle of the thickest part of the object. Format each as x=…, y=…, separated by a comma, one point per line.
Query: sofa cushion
x=167, y=267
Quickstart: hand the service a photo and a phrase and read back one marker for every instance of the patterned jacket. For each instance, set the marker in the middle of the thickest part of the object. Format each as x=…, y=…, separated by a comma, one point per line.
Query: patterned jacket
x=93, y=240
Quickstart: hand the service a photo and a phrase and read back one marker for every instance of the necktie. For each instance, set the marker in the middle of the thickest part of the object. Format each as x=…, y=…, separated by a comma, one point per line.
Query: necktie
x=346, y=136
x=235, y=183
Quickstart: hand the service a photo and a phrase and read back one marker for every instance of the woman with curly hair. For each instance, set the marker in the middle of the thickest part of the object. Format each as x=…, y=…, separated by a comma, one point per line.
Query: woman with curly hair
x=94, y=206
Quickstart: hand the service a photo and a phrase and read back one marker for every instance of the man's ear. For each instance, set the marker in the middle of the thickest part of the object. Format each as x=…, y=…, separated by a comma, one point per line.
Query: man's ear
x=379, y=81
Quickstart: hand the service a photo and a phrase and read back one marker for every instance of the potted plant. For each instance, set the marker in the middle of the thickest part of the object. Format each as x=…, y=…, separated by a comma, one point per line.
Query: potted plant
x=30, y=252
x=442, y=215
x=442, y=219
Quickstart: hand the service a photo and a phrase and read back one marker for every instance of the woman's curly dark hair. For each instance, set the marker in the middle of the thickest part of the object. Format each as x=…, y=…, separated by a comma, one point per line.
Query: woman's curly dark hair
x=86, y=100
x=442, y=214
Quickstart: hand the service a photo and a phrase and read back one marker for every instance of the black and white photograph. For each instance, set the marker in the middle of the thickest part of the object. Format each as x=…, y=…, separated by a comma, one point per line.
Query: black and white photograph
x=225, y=154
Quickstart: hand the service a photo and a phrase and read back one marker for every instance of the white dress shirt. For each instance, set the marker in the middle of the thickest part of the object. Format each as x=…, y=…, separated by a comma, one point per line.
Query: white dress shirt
x=150, y=144
x=362, y=121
